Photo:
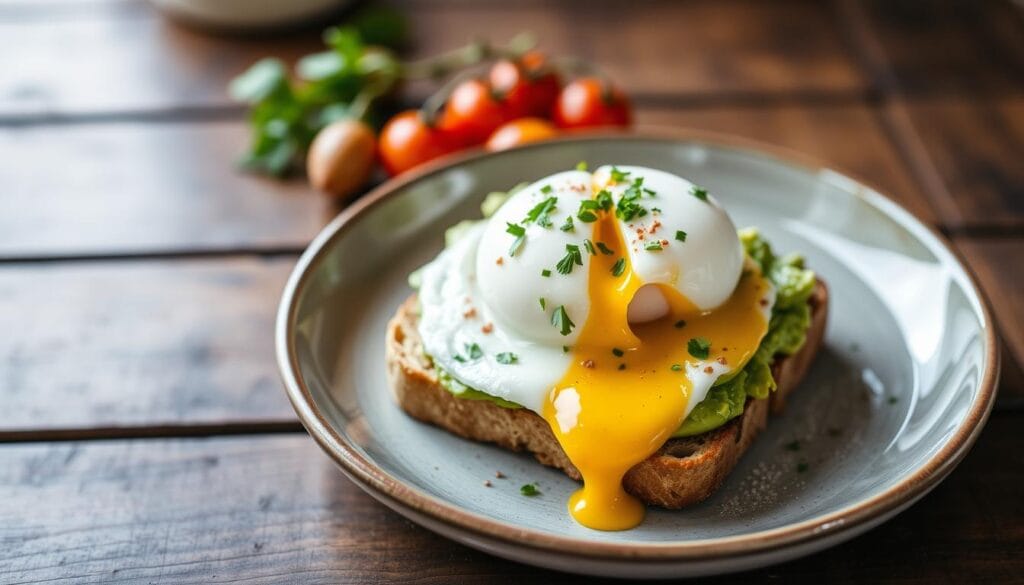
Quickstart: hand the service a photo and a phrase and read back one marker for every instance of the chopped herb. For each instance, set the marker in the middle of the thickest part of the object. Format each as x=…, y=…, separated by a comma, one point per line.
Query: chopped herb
x=529, y=489
x=793, y=446
x=507, y=358
x=560, y=319
x=586, y=212
x=565, y=349
x=653, y=246
x=604, y=249
x=520, y=233
x=546, y=189
x=622, y=366
x=802, y=467
x=589, y=247
x=619, y=267
x=618, y=176
x=543, y=303
x=680, y=324
x=545, y=273
x=568, y=226
x=676, y=368
x=617, y=352
x=572, y=257
x=581, y=166
x=681, y=235
x=699, y=192
x=474, y=351
x=604, y=200
x=699, y=347
x=540, y=212
x=459, y=358
x=629, y=206
x=655, y=210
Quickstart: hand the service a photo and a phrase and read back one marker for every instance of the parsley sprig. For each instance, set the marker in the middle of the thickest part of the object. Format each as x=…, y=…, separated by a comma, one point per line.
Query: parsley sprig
x=573, y=257
x=560, y=319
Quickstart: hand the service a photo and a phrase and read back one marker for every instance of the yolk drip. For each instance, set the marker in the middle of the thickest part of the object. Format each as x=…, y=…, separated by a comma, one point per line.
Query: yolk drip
x=609, y=411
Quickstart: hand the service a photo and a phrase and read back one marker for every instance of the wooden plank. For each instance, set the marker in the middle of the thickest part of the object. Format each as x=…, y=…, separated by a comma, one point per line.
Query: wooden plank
x=967, y=153
x=740, y=47
x=275, y=509
x=849, y=137
x=941, y=46
x=111, y=188
x=999, y=265
x=123, y=57
x=108, y=347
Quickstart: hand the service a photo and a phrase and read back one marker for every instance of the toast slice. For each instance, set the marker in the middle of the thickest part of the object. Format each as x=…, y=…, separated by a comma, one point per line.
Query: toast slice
x=684, y=471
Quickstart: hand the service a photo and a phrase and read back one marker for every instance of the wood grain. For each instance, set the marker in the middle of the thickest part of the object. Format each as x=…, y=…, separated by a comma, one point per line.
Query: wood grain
x=111, y=188
x=94, y=346
x=67, y=66
x=999, y=265
x=967, y=153
x=259, y=509
x=933, y=47
x=849, y=137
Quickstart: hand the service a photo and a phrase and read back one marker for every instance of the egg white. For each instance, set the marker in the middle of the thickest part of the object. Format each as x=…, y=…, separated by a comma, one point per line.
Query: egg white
x=468, y=296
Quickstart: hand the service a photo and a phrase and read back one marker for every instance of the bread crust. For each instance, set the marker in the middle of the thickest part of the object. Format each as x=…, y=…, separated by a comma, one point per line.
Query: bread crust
x=683, y=472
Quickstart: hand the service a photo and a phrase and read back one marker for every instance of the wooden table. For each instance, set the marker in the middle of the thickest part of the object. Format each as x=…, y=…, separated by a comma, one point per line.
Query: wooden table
x=146, y=437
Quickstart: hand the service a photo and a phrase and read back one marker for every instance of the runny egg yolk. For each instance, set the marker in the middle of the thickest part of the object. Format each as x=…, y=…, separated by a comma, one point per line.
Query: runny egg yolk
x=627, y=389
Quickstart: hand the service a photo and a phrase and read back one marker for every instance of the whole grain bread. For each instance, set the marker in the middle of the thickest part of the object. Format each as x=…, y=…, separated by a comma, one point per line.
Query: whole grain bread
x=684, y=471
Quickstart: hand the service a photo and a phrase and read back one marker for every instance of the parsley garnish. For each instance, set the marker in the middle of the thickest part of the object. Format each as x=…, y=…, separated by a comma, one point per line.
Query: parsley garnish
x=699, y=192
x=474, y=351
x=506, y=357
x=618, y=176
x=540, y=212
x=529, y=489
x=655, y=210
x=653, y=246
x=568, y=226
x=543, y=303
x=581, y=166
x=459, y=358
x=699, y=347
x=617, y=352
x=680, y=324
x=546, y=189
x=565, y=349
x=629, y=206
x=560, y=319
x=681, y=235
x=676, y=368
x=545, y=273
x=572, y=256
x=604, y=200
x=589, y=247
x=619, y=267
x=586, y=211
x=520, y=233
x=604, y=249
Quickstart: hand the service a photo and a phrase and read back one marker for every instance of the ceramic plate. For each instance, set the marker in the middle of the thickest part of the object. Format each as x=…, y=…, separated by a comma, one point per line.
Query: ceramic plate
x=893, y=402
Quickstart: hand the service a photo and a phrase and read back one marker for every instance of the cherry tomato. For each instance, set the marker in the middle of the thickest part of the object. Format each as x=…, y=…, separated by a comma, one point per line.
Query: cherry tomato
x=473, y=113
x=521, y=131
x=407, y=141
x=588, y=102
x=528, y=87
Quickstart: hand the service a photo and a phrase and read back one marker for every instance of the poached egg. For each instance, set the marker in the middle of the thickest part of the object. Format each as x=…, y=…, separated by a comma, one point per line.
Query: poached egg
x=609, y=303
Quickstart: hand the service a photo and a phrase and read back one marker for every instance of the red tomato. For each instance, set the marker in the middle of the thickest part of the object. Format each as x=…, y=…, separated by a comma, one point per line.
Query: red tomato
x=473, y=113
x=588, y=102
x=521, y=131
x=529, y=87
x=407, y=141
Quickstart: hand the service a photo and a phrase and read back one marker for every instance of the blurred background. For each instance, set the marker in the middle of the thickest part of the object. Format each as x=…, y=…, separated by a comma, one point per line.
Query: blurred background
x=151, y=209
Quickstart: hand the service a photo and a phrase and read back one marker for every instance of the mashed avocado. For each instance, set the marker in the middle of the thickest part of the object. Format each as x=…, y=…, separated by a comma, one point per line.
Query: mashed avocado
x=787, y=331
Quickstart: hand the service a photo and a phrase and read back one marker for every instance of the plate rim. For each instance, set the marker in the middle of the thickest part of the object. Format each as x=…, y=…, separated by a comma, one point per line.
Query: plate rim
x=371, y=477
